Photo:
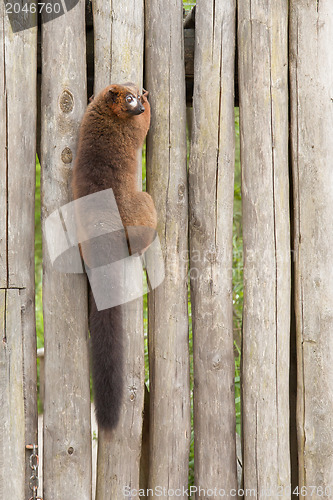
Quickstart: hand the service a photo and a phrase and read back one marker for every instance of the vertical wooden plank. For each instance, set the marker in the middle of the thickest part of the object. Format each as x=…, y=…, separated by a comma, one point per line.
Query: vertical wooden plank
x=118, y=40
x=119, y=34
x=3, y=153
x=12, y=436
x=18, y=60
x=263, y=79
x=167, y=183
x=311, y=77
x=211, y=187
x=67, y=440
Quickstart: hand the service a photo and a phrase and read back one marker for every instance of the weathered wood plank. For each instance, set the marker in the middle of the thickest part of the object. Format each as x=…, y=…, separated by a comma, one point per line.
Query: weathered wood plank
x=67, y=442
x=211, y=181
x=118, y=38
x=18, y=60
x=167, y=183
x=119, y=34
x=3, y=157
x=12, y=436
x=311, y=76
x=263, y=62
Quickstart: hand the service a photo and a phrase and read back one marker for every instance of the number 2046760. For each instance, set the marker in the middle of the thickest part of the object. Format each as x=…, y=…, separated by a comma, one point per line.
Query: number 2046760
x=32, y=8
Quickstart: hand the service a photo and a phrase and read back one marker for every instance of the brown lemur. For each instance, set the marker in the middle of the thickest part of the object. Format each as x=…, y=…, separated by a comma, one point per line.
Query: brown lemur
x=112, y=132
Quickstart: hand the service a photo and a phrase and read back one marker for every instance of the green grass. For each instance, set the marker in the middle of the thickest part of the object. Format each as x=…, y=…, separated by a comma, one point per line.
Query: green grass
x=38, y=275
x=188, y=4
x=237, y=272
x=38, y=262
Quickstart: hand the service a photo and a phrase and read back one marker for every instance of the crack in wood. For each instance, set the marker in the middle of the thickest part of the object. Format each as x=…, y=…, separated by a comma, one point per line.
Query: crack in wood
x=6, y=146
x=111, y=43
x=275, y=248
x=169, y=136
x=256, y=450
x=218, y=136
x=4, y=338
x=213, y=38
x=12, y=288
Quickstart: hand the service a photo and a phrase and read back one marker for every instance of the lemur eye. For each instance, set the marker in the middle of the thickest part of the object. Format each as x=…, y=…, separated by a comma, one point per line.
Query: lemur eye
x=129, y=99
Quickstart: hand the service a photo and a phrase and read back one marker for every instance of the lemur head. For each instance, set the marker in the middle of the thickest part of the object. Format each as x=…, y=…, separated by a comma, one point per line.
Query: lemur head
x=125, y=100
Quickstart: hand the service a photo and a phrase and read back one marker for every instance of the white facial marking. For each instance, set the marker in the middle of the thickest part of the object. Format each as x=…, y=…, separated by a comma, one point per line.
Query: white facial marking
x=131, y=101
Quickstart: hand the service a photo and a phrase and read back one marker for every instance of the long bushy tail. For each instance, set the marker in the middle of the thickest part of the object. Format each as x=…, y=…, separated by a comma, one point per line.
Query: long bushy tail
x=107, y=362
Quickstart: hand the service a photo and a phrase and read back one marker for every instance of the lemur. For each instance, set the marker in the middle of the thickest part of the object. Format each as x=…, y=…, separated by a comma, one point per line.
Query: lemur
x=112, y=132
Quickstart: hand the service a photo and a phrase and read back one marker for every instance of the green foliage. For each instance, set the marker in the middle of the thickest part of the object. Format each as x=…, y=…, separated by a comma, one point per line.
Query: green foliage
x=188, y=4
x=237, y=272
x=38, y=275
x=38, y=262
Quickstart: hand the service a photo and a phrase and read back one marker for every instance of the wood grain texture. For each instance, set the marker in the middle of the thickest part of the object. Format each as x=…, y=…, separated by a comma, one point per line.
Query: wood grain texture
x=18, y=60
x=119, y=35
x=167, y=183
x=311, y=77
x=67, y=439
x=4, y=154
x=118, y=38
x=12, y=438
x=211, y=184
x=263, y=63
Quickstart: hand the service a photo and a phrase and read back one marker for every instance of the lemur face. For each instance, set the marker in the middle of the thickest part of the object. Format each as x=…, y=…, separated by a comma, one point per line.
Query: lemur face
x=134, y=104
x=126, y=100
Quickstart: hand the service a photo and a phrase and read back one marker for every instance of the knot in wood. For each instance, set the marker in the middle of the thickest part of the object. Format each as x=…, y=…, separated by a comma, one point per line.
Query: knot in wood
x=196, y=224
x=211, y=255
x=133, y=391
x=66, y=101
x=181, y=192
x=66, y=155
x=217, y=362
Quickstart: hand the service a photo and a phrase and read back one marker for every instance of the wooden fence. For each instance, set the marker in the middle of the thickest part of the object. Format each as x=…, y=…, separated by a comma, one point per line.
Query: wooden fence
x=285, y=68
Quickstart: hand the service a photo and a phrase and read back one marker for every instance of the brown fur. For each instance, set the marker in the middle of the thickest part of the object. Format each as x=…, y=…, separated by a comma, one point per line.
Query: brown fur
x=107, y=157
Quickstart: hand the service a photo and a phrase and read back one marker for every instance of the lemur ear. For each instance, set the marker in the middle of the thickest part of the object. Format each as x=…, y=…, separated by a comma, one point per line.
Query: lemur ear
x=145, y=92
x=113, y=94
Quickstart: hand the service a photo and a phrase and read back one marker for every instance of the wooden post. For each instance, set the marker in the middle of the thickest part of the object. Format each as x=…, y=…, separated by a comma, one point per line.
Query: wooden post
x=263, y=63
x=119, y=34
x=67, y=438
x=211, y=188
x=167, y=183
x=311, y=76
x=118, y=38
x=12, y=440
x=18, y=407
